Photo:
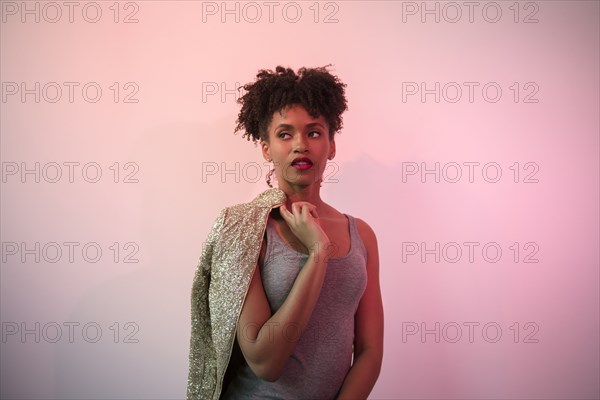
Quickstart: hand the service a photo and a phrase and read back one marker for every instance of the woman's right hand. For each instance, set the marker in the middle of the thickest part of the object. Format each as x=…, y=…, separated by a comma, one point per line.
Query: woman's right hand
x=261, y=334
x=303, y=221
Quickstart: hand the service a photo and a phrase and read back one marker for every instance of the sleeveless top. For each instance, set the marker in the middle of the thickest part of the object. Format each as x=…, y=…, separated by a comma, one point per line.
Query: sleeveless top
x=323, y=355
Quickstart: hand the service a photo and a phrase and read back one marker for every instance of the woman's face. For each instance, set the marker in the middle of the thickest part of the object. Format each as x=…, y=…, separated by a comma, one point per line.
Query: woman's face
x=294, y=134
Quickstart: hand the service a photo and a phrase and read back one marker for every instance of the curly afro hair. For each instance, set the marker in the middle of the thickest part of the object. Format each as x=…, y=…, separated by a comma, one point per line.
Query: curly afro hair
x=316, y=89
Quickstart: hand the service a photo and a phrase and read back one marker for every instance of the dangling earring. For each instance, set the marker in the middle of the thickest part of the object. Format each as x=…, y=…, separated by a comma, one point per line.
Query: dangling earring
x=270, y=174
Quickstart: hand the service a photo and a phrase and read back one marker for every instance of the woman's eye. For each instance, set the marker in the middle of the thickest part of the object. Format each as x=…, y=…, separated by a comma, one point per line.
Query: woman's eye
x=315, y=132
x=282, y=134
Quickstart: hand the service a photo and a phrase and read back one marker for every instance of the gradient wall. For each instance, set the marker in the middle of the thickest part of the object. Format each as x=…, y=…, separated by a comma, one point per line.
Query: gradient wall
x=470, y=146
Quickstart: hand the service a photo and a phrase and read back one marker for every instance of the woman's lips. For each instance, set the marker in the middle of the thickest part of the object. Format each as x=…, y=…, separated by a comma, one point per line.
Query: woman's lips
x=302, y=163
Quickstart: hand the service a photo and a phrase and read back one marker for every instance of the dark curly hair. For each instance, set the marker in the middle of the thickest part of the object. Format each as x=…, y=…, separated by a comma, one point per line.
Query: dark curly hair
x=316, y=89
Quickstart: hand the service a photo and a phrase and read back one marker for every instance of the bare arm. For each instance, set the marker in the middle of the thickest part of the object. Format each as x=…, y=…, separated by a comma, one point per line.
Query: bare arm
x=368, y=342
x=261, y=336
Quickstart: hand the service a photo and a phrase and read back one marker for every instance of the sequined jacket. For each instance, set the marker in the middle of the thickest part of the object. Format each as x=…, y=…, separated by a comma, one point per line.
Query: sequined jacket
x=221, y=281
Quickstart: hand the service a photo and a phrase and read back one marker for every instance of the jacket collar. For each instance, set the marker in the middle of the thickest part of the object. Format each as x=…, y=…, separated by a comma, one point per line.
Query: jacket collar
x=270, y=198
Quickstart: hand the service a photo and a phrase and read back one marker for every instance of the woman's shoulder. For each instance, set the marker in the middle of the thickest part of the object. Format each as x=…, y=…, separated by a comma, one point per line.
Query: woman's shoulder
x=365, y=231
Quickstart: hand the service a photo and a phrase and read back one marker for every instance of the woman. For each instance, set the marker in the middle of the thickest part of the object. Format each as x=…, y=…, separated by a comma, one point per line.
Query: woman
x=311, y=323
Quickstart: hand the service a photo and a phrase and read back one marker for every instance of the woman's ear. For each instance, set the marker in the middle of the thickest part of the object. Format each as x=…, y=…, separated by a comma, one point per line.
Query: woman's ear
x=331, y=149
x=266, y=151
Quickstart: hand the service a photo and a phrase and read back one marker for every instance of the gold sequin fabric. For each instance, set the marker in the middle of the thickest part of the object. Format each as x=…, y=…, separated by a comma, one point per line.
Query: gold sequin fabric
x=221, y=281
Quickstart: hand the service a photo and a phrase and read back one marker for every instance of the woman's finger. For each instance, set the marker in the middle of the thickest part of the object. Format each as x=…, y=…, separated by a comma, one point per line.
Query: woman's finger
x=296, y=208
x=285, y=213
x=304, y=211
x=309, y=209
x=299, y=209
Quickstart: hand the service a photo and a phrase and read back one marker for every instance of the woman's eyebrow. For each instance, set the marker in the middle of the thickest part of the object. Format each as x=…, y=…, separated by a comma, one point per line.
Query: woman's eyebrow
x=288, y=126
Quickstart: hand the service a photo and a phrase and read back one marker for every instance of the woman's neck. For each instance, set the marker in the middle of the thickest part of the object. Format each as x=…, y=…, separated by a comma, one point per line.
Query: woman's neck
x=310, y=194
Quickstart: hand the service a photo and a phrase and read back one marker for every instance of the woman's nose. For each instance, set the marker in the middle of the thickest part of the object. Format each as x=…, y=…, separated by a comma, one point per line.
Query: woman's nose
x=300, y=144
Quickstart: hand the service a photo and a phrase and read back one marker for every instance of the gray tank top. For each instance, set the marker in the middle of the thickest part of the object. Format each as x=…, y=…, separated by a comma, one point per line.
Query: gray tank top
x=323, y=355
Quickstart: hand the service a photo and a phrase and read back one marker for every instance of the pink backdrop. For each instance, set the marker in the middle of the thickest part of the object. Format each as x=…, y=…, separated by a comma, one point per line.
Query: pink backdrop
x=470, y=147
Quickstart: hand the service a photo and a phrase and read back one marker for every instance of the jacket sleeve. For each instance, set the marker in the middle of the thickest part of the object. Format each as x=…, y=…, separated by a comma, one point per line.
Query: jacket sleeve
x=202, y=366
